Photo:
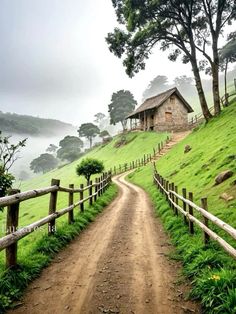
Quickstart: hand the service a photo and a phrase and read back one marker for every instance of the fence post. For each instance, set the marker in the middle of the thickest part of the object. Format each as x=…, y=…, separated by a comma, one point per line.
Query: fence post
x=71, y=202
x=176, y=201
x=184, y=193
x=53, y=207
x=167, y=189
x=91, y=192
x=11, y=226
x=96, y=189
x=81, y=195
x=114, y=170
x=190, y=210
x=159, y=148
x=144, y=159
x=154, y=152
x=99, y=187
x=205, y=220
x=119, y=168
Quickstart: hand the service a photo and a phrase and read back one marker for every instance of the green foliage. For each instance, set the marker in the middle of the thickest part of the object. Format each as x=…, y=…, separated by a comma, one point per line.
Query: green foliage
x=9, y=152
x=6, y=181
x=104, y=133
x=23, y=124
x=70, y=148
x=43, y=249
x=211, y=270
x=43, y=163
x=89, y=166
x=122, y=103
x=88, y=130
x=51, y=148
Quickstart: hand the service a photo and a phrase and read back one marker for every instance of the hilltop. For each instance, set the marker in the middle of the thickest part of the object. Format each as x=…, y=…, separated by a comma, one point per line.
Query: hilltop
x=13, y=123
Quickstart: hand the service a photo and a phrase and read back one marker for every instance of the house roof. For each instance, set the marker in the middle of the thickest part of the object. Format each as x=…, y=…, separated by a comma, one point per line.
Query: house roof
x=158, y=100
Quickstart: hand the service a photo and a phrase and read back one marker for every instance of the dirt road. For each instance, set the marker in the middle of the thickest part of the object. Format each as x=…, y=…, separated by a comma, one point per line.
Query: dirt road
x=117, y=265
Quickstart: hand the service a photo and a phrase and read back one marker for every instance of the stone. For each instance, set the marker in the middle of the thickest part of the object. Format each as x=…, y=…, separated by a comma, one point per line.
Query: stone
x=223, y=176
x=226, y=197
x=187, y=148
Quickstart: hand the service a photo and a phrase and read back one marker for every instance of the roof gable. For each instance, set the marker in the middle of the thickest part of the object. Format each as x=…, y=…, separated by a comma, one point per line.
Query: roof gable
x=158, y=100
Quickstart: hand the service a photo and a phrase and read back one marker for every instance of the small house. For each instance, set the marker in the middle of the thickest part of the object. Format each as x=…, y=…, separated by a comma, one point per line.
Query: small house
x=167, y=111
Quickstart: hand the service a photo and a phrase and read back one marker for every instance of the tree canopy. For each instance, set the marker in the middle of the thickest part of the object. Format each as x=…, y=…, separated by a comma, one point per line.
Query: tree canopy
x=43, y=163
x=88, y=130
x=89, y=166
x=183, y=27
x=70, y=148
x=52, y=148
x=122, y=103
x=157, y=85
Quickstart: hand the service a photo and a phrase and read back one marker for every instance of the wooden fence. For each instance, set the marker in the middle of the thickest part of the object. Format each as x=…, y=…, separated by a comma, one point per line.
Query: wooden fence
x=170, y=190
x=15, y=197
x=142, y=161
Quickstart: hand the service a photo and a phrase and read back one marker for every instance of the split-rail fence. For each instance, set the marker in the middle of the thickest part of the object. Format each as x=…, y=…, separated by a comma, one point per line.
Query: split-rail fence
x=171, y=192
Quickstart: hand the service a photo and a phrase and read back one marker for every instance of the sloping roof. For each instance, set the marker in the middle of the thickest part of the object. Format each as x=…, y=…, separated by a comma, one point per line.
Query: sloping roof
x=158, y=100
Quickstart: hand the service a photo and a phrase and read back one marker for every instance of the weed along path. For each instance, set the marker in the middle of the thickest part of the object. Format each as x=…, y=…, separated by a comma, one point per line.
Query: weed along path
x=118, y=265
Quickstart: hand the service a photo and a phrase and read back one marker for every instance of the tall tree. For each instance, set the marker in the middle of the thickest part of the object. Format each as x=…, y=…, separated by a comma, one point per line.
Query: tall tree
x=70, y=148
x=43, y=163
x=51, y=148
x=180, y=25
x=228, y=55
x=88, y=130
x=157, y=85
x=217, y=13
x=99, y=117
x=122, y=103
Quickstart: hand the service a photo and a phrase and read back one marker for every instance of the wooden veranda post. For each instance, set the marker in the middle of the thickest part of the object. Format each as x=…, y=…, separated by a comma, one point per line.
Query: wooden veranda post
x=81, y=194
x=11, y=226
x=71, y=202
x=53, y=207
x=206, y=237
x=190, y=210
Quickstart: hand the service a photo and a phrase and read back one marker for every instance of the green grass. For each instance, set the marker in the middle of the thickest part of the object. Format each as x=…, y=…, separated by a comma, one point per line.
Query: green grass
x=212, y=271
x=138, y=143
x=32, y=258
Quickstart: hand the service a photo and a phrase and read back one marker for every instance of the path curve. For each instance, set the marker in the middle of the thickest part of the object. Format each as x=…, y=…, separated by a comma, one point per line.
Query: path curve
x=119, y=264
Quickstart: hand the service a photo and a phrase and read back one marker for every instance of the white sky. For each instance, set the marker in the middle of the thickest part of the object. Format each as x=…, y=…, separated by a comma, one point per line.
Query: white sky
x=55, y=63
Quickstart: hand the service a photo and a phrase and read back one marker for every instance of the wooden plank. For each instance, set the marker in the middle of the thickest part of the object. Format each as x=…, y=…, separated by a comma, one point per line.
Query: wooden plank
x=53, y=206
x=11, y=227
x=71, y=202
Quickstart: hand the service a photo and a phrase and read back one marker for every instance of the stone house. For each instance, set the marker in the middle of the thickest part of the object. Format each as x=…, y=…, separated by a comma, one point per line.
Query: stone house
x=167, y=111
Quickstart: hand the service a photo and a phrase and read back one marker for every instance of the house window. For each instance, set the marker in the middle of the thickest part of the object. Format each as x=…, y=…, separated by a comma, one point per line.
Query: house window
x=172, y=99
x=168, y=116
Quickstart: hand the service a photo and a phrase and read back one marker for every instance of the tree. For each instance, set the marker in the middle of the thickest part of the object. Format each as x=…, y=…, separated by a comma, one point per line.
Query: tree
x=44, y=163
x=9, y=153
x=70, y=148
x=24, y=175
x=88, y=130
x=89, y=166
x=104, y=133
x=184, y=84
x=122, y=103
x=228, y=55
x=51, y=148
x=157, y=85
x=99, y=117
x=180, y=25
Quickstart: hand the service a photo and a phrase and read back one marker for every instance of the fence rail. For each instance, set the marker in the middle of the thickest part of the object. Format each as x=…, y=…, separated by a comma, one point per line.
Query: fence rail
x=12, y=201
x=170, y=190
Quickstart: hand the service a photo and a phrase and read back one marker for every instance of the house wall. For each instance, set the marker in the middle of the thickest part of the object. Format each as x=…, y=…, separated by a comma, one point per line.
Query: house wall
x=171, y=116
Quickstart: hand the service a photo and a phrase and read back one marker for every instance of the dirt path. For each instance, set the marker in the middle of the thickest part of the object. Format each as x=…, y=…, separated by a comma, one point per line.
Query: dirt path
x=117, y=265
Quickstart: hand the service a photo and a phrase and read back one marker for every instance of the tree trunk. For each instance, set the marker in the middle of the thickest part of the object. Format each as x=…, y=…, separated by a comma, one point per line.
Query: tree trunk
x=225, y=79
x=205, y=110
x=90, y=141
x=215, y=77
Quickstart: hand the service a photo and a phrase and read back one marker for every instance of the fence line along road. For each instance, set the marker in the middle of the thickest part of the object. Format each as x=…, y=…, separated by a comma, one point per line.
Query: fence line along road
x=170, y=190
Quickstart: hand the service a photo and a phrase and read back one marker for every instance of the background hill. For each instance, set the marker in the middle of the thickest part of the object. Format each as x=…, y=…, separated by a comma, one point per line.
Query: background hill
x=12, y=123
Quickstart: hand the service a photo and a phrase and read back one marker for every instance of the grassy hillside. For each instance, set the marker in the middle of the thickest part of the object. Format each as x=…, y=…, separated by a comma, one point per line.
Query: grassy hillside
x=12, y=123
x=137, y=144
x=213, y=145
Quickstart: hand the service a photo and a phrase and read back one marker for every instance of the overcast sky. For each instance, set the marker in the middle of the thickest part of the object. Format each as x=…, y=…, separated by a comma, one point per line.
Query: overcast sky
x=54, y=61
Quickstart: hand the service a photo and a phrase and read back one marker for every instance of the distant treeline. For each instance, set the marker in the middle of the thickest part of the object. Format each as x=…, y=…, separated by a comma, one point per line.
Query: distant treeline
x=22, y=124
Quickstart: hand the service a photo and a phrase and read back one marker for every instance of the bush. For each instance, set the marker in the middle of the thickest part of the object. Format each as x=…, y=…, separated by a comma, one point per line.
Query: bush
x=89, y=166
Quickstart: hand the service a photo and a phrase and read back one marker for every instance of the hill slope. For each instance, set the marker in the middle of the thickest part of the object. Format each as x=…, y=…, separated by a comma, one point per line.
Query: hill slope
x=211, y=270
x=13, y=123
